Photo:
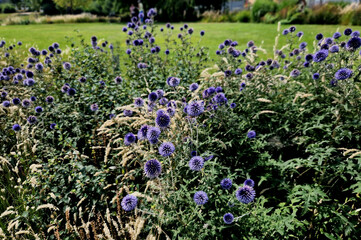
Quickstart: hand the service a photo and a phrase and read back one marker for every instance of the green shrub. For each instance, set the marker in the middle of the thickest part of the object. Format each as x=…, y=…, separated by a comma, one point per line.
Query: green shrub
x=356, y=17
x=325, y=14
x=261, y=7
x=7, y=8
x=243, y=16
x=271, y=18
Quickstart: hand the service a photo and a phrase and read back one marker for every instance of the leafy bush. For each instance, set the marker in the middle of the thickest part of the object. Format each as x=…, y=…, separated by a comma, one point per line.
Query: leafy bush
x=243, y=16
x=356, y=14
x=261, y=7
x=7, y=8
x=325, y=14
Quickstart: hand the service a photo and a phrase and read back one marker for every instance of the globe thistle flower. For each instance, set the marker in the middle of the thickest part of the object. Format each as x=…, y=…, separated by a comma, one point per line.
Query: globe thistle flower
x=138, y=102
x=142, y=133
x=219, y=89
x=58, y=51
x=38, y=109
x=152, y=168
x=171, y=111
x=118, y=80
x=67, y=66
x=162, y=120
x=211, y=90
x=249, y=182
x=334, y=49
x=82, y=79
x=195, y=108
x=238, y=71
x=193, y=153
x=320, y=56
x=245, y=194
x=200, y=198
x=160, y=93
x=333, y=83
x=202, y=33
x=285, y=32
x=26, y=103
x=295, y=73
x=196, y=163
x=65, y=88
x=163, y=101
x=249, y=76
x=190, y=31
x=128, y=51
x=325, y=46
x=250, y=44
x=347, y=31
x=16, y=101
x=128, y=113
x=227, y=73
x=316, y=76
x=309, y=57
x=305, y=64
x=343, y=74
x=299, y=34
x=29, y=82
x=193, y=87
x=129, y=203
x=226, y=183
x=166, y=149
x=353, y=44
x=94, y=107
x=233, y=105
x=251, y=134
x=173, y=81
x=19, y=77
x=71, y=92
x=16, y=127
x=20, y=43
x=220, y=98
x=44, y=52
x=129, y=139
x=32, y=119
x=6, y=104
x=49, y=99
x=167, y=52
x=153, y=96
x=303, y=45
x=319, y=36
x=153, y=134
x=228, y=218
x=355, y=34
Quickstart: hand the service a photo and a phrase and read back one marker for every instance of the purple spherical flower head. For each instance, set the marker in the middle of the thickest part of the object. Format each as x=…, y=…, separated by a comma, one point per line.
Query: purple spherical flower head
x=173, y=81
x=195, y=108
x=167, y=52
x=319, y=36
x=299, y=34
x=129, y=139
x=152, y=168
x=249, y=182
x=228, y=218
x=355, y=34
x=32, y=119
x=193, y=87
x=343, y=74
x=295, y=73
x=200, y=198
x=38, y=109
x=316, y=76
x=347, y=31
x=251, y=134
x=127, y=113
x=16, y=101
x=238, y=71
x=202, y=33
x=4, y=94
x=142, y=133
x=129, y=202
x=52, y=126
x=285, y=32
x=211, y=90
x=171, y=111
x=16, y=127
x=153, y=96
x=226, y=183
x=245, y=194
x=162, y=120
x=303, y=45
x=67, y=66
x=219, y=89
x=196, y=163
x=193, y=153
x=94, y=107
x=353, y=44
x=138, y=102
x=334, y=49
x=320, y=55
x=128, y=51
x=227, y=73
x=71, y=92
x=337, y=35
x=220, y=98
x=153, y=134
x=118, y=80
x=166, y=149
x=6, y=104
x=82, y=79
x=233, y=105
x=26, y=103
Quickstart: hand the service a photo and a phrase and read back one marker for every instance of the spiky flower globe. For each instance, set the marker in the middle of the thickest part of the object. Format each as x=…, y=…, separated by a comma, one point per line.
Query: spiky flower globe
x=226, y=183
x=196, y=163
x=320, y=55
x=142, y=133
x=153, y=134
x=153, y=96
x=249, y=182
x=162, y=120
x=251, y=134
x=152, y=168
x=195, y=108
x=245, y=194
x=94, y=107
x=228, y=218
x=200, y=198
x=343, y=74
x=38, y=109
x=32, y=119
x=166, y=149
x=118, y=80
x=129, y=138
x=16, y=127
x=138, y=102
x=193, y=87
x=129, y=202
x=49, y=99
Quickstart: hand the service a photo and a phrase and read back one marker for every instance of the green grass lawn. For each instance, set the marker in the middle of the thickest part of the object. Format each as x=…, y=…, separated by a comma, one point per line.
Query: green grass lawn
x=263, y=34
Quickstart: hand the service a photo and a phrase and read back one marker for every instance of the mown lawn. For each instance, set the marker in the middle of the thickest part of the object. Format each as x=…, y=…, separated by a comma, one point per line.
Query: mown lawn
x=263, y=34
